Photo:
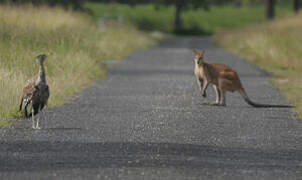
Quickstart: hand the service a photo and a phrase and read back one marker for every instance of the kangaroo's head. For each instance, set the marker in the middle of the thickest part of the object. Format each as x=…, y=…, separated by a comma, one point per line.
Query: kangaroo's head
x=198, y=57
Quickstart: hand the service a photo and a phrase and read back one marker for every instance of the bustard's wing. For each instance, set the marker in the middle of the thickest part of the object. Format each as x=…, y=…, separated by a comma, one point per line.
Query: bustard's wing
x=47, y=94
x=28, y=93
x=44, y=91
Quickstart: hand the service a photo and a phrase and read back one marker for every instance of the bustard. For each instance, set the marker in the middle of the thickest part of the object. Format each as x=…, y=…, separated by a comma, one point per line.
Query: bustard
x=36, y=93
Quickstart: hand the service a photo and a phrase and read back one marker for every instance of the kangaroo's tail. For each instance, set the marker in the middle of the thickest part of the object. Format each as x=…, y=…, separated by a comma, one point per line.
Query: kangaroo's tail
x=250, y=102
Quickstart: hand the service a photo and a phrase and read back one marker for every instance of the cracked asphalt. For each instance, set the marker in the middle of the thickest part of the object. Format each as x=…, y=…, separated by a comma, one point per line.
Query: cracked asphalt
x=146, y=121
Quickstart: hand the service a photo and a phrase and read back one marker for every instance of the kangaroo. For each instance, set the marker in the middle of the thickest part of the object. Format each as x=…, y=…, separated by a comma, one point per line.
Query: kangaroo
x=223, y=79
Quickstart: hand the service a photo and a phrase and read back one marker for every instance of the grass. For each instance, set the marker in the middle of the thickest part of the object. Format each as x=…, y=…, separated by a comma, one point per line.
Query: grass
x=149, y=17
x=79, y=49
x=276, y=47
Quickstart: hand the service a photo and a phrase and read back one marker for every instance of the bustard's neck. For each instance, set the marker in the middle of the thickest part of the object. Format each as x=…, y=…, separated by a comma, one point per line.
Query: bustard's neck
x=41, y=75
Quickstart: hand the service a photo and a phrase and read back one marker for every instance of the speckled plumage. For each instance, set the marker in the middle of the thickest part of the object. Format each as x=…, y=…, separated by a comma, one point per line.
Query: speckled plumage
x=36, y=93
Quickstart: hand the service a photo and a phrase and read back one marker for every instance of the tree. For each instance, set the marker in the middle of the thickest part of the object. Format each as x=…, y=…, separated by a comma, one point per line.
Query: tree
x=296, y=5
x=270, y=9
x=180, y=6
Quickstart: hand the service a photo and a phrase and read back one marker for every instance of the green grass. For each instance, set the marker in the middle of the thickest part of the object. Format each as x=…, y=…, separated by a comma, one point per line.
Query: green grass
x=276, y=47
x=147, y=17
x=79, y=50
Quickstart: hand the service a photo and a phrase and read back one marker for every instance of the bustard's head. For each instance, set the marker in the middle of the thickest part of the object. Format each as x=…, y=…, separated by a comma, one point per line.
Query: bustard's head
x=41, y=58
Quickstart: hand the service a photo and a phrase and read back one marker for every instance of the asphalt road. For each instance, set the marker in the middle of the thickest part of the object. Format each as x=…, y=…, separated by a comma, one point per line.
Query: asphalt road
x=145, y=121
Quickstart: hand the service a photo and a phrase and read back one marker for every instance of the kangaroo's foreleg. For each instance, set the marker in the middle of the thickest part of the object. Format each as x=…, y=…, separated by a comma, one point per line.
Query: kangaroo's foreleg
x=204, y=88
x=200, y=85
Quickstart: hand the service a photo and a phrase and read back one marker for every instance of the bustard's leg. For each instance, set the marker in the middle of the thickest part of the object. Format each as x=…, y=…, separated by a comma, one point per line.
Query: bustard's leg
x=33, y=118
x=25, y=111
x=38, y=117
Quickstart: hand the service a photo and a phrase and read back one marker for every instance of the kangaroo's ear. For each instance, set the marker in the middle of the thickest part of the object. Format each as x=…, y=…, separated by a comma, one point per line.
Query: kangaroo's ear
x=202, y=53
x=195, y=52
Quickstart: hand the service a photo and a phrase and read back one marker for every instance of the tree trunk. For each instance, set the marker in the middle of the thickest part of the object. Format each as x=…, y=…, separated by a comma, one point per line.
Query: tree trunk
x=270, y=9
x=296, y=5
x=206, y=5
x=132, y=3
x=179, y=5
x=237, y=3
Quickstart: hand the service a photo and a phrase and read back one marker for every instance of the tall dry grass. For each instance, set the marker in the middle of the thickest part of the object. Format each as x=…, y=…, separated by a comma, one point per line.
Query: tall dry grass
x=276, y=47
x=79, y=48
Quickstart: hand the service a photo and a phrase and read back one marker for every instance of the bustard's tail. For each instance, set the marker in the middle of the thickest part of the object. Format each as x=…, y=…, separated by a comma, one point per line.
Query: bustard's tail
x=250, y=102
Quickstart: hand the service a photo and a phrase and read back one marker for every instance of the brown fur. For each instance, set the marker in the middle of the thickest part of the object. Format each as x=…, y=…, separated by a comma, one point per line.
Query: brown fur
x=223, y=78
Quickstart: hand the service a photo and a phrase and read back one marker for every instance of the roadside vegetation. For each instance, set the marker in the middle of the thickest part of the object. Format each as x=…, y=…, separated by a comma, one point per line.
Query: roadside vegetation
x=80, y=47
x=79, y=50
x=276, y=47
x=195, y=21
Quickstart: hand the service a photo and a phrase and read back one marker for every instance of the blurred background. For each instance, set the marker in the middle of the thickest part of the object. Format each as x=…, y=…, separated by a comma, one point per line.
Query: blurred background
x=178, y=16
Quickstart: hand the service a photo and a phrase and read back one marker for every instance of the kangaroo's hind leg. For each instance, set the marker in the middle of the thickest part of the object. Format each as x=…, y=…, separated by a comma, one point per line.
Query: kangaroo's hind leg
x=222, y=101
x=217, y=92
x=218, y=96
x=222, y=87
